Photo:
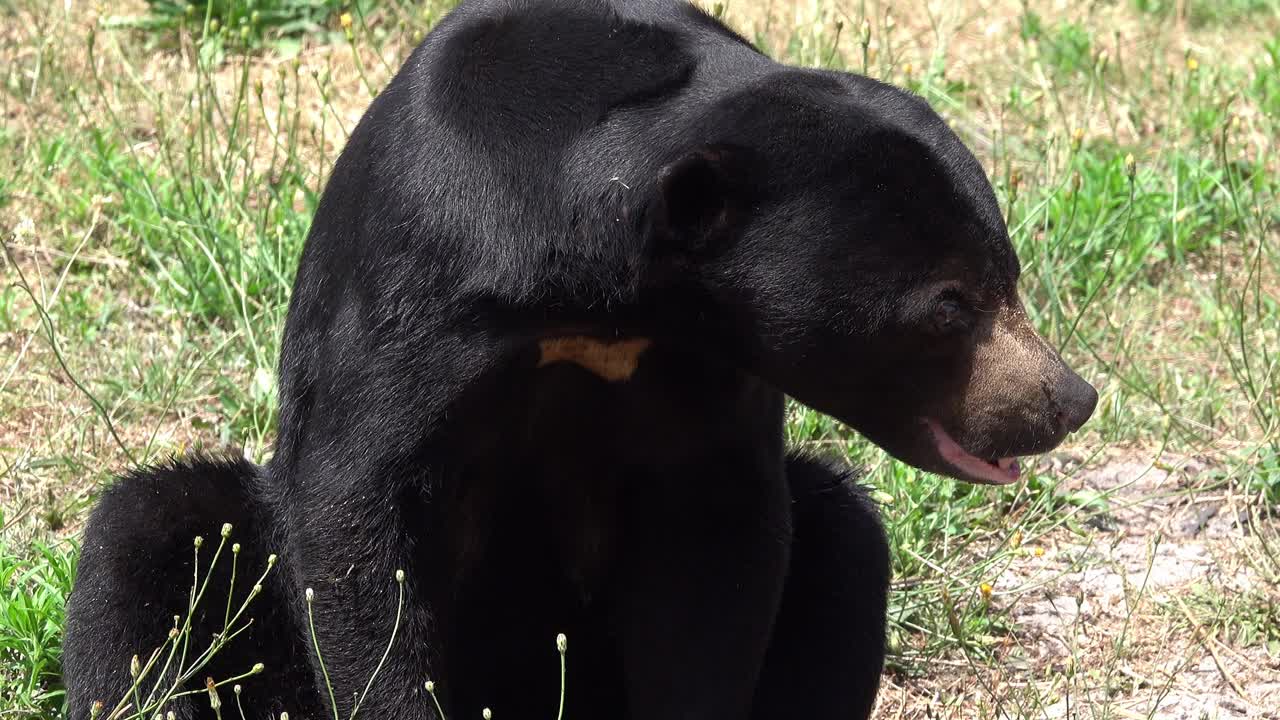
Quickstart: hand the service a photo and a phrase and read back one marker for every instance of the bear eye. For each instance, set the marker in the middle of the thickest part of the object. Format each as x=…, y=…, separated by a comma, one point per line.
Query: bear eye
x=950, y=315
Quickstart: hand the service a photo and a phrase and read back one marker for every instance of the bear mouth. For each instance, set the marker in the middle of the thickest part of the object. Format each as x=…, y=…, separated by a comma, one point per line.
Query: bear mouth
x=966, y=466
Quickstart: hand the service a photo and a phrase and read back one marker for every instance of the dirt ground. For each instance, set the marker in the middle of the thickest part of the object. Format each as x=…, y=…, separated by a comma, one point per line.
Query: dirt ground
x=1113, y=623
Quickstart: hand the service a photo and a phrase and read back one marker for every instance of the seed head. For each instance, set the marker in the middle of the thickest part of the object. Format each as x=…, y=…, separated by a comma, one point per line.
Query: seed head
x=562, y=643
x=226, y=530
x=215, y=702
x=487, y=714
x=311, y=594
x=257, y=668
x=431, y=687
x=199, y=541
x=399, y=576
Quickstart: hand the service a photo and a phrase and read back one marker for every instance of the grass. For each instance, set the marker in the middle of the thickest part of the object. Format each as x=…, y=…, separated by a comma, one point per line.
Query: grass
x=158, y=172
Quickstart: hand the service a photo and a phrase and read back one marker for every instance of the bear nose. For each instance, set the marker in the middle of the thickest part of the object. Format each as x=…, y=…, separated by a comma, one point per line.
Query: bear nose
x=1076, y=402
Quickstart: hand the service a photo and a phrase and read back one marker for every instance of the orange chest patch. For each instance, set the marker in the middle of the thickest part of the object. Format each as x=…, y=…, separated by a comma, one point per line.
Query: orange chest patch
x=612, y=361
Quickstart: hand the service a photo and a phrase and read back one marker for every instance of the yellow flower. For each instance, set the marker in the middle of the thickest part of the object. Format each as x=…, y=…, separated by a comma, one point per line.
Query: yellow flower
x=1016, y=540
x=1192, y=63
x=345, y=20
x=985, y=589
x=1038, y=552
x=908, y=69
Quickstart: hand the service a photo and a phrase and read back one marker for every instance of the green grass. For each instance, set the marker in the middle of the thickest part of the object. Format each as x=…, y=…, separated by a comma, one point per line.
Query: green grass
x=34, y=582
x=169, y=203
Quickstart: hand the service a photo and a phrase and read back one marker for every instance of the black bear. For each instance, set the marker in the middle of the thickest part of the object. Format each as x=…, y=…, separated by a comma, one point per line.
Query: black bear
x=561, y=278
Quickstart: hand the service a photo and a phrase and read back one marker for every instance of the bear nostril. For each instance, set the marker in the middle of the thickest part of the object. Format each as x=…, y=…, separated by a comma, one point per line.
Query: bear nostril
x=1079, y=400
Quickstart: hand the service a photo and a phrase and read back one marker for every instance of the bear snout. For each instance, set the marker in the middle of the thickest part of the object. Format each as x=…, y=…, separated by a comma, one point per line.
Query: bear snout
x=1076, y=400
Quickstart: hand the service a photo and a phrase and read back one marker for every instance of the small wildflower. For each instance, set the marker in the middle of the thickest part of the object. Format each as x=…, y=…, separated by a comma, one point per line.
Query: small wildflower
x=235, y=548
x=257, y=668
x=1016, y=539
x=255, y=17
x=1130, y=165
x=487, y=714
x=199, y=541
x=135, y=667
x=226, y=529
x=908, y=69
x=399, y=576
x=214, y=26
x=236, y=689
x=345, y=20
x=171, y=715
x=562, y=643
x=284, y=716
x=431, y=687
x=191, y=10
x=271, y=561
x=25, y=229
x=866, y=32
x=95, y=709
x=256, y=589
x=985, y=589
x=244, y=33
x=1192, y=63
x=1077, y=138
x=311, y=595
x=1038, y=552
x=173, y=633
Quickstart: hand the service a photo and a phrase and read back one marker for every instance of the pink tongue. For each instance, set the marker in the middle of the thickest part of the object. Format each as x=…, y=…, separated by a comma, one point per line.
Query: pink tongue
x=1000, y=472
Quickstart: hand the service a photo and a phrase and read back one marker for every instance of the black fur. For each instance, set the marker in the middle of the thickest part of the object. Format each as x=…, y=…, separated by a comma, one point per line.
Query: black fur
x=611, y=169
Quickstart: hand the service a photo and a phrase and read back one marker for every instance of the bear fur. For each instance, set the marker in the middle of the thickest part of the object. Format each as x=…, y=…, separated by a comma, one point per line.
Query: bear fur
x=559, y=281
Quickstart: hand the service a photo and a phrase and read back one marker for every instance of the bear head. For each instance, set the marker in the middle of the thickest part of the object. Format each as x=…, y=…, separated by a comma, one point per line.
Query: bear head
x=853, y=255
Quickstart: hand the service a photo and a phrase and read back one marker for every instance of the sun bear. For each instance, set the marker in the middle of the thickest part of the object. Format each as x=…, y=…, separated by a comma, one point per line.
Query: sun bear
x=563, y=275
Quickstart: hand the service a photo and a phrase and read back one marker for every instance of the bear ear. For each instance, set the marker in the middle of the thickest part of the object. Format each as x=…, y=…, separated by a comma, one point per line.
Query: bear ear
x=699, y=201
